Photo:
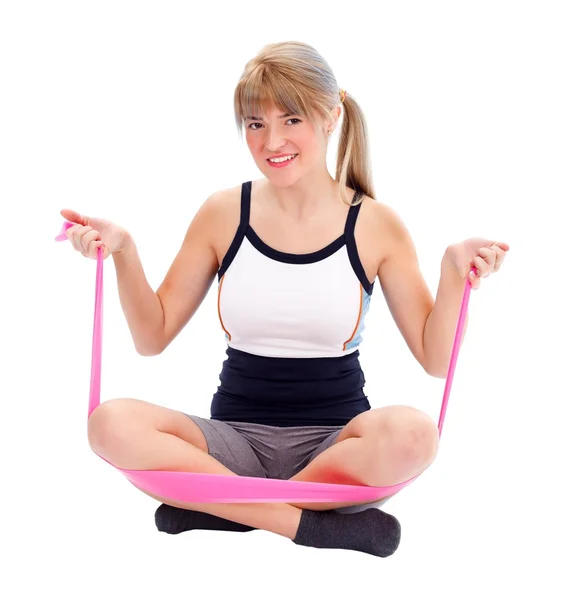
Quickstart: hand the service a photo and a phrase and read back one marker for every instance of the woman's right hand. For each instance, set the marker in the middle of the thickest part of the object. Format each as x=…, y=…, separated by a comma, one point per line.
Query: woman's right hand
x=90, y=233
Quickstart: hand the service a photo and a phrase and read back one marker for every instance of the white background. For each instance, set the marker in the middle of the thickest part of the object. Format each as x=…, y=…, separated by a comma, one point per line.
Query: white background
x=123, y=110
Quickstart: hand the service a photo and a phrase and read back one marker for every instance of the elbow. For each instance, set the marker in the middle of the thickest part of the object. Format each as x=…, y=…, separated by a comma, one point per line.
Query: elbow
x=438, y=373
x=152, y=347
x=146, y=353
x=149, y=351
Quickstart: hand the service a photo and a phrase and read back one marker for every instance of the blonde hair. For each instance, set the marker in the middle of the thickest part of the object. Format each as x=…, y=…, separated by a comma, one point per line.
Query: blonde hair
x=294, y=77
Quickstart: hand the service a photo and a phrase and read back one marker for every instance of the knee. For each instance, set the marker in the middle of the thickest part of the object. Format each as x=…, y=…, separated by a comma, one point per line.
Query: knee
x=412, y=432
x=109, y=425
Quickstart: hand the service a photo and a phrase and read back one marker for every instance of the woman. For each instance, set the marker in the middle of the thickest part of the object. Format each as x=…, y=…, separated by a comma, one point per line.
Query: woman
x=296, y=255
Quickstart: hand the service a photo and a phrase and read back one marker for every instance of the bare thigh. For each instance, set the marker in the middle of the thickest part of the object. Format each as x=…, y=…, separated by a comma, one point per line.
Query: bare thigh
x=124, y=416
x=128, y=433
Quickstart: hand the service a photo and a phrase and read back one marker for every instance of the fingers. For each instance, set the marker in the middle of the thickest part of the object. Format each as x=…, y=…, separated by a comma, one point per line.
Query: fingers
x=74, y=217
x=502, y=245
x=491, y=259
x=482, y=266
x=499, y=256
x=487, y=258
x=74, y=235
x=85, y=239
x=475, y=281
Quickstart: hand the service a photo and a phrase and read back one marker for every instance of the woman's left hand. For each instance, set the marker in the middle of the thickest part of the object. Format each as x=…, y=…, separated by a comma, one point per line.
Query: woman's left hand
x=486, y=256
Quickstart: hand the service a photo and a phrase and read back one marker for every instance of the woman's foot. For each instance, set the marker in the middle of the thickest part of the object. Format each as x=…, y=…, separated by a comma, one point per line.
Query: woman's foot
x=170, y=519
x=371, y=531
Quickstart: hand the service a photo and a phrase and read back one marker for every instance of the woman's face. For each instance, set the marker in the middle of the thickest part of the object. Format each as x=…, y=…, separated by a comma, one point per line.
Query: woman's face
x=275, y=134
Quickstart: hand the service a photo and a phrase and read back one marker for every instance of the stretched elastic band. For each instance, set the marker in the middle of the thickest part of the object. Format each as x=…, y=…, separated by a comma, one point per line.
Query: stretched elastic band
x=201, y=487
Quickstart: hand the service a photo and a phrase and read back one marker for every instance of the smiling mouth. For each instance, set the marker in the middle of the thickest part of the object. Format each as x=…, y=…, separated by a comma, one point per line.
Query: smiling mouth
x=284, y=161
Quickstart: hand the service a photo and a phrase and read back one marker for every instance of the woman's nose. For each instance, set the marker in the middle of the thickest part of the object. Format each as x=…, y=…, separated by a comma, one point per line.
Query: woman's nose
x=274, y=141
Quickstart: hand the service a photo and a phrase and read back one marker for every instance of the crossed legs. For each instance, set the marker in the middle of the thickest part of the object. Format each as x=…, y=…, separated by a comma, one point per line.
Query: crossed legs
x=380, y=447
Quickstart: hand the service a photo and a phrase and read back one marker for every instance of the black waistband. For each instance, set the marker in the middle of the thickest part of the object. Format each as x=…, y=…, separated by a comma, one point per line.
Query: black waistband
x=287, y=392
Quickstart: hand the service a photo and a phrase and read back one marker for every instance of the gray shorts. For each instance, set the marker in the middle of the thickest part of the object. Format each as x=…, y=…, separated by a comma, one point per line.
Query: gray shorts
x=256, y=450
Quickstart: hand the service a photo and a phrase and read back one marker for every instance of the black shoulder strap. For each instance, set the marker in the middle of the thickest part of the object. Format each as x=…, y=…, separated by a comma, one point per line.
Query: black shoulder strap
x=351, y=244
x=353, y=216
x=245, y=205
x=245, y=211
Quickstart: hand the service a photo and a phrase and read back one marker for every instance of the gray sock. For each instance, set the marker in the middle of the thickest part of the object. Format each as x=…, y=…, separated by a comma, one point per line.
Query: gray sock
x=372, y=531
x=173, y=520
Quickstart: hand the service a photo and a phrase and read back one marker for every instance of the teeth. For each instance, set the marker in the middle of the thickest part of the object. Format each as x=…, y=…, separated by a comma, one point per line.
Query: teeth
x=282, y=159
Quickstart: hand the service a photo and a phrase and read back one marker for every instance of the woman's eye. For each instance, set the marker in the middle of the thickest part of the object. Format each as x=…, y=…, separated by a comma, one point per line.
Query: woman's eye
x=255, y=128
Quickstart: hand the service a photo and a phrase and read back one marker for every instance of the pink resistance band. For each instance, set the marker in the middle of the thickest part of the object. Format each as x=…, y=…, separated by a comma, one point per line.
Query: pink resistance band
x=210, y=488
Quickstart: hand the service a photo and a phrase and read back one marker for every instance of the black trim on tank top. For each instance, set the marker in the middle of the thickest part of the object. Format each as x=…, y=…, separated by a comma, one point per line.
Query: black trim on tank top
x=294, y=259
x=297, y=259
x=347, y=238
x=245, y=211
x=353, y=248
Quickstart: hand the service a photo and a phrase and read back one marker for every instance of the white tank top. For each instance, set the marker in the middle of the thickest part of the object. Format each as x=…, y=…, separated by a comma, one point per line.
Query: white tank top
x=277, y=304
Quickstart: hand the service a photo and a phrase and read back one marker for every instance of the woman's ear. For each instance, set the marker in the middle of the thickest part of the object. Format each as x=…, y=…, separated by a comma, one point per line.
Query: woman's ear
x=331, y=124
x=337, y=111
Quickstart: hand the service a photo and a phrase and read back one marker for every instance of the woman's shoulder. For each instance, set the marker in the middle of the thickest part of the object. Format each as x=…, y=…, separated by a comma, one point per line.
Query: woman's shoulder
x=379, y=226
x=374, y=210
x=224, y=201
x=221, y=213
